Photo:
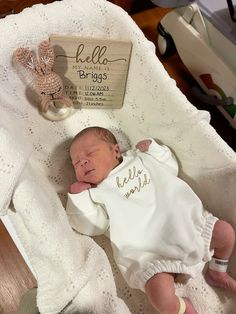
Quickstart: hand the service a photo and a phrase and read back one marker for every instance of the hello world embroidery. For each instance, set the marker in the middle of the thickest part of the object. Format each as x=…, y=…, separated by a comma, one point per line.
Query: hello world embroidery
x=138, y=177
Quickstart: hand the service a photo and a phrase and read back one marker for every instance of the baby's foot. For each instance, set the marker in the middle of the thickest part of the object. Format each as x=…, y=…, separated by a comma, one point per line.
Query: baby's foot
x=189, y=307
x=220, y=280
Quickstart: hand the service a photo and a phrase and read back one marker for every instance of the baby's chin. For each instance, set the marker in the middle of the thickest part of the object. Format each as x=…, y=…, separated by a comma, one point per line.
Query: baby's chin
x=92, y=182
x=95, y=182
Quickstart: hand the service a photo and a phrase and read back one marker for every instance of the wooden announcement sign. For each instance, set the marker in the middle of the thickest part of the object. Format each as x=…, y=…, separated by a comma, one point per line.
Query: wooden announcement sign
x=94, y=71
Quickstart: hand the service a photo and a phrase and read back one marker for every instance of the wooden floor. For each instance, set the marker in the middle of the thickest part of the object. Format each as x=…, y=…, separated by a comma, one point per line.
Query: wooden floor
x=15, y=277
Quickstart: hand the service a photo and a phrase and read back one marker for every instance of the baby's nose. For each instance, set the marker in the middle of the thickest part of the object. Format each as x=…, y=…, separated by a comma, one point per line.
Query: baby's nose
x=83, y=162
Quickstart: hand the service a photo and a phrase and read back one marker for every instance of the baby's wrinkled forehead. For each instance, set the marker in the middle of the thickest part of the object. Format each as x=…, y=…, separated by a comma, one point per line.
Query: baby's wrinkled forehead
x=87, y=139
x=85, y=142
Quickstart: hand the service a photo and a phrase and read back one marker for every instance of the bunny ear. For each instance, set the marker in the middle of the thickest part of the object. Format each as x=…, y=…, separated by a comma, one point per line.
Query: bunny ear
x=27, y=59
x=46, y=56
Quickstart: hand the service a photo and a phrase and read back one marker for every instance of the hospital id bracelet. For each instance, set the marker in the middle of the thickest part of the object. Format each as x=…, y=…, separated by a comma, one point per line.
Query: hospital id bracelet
x=218, y=264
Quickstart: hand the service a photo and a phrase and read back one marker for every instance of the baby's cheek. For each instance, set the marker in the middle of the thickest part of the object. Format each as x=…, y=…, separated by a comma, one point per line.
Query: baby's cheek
x=77, y=174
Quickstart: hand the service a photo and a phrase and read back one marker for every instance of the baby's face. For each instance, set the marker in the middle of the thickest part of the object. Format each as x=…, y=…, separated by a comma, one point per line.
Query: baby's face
x=93, y=158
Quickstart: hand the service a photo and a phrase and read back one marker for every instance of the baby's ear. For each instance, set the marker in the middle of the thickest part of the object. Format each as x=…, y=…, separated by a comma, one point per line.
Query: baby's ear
x=25, y=57
x=117, y=151
x=46, y=56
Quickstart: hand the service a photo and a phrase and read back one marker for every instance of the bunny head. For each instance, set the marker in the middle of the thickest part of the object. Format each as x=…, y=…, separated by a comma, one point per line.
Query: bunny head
x=48, y=84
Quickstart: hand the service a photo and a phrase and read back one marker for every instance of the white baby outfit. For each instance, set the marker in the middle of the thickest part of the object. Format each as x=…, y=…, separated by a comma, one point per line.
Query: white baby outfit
x=157, y=223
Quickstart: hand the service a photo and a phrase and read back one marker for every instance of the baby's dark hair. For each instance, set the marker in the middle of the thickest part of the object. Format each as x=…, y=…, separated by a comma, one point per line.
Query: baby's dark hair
x=103, y=133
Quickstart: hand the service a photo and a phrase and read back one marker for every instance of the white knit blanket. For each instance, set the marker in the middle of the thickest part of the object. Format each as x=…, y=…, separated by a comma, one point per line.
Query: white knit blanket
x=36, y=172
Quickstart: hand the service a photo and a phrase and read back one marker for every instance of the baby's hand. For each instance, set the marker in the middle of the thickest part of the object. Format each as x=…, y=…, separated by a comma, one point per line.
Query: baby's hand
x=79, y=187
x=143, y=145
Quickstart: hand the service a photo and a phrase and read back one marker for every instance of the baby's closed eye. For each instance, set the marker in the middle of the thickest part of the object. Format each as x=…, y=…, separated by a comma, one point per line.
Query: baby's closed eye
x=92, y=152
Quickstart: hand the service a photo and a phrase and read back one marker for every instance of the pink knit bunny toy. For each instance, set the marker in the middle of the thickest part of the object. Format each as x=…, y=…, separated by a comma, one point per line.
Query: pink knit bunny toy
x=48, y=84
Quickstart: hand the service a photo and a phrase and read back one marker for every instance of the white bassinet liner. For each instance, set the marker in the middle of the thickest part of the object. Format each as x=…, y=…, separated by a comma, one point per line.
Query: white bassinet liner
x=36, y=171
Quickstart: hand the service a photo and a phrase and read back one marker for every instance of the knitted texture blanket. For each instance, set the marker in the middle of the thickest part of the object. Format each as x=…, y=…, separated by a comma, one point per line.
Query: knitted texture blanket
x=72, y=271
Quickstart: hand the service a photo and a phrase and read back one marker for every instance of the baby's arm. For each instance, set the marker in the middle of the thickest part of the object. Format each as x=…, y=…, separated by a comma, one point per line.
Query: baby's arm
x=160, y=152
x=85, y=215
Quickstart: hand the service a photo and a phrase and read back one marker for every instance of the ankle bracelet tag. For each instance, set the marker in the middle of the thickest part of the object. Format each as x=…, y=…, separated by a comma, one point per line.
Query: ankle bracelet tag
x=220, y=265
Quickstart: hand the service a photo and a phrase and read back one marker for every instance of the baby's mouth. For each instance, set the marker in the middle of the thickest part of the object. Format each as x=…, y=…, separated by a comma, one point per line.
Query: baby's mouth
x=88, y=171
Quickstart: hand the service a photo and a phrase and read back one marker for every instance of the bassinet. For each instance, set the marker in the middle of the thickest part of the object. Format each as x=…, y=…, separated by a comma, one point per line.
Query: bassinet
x=36, y=172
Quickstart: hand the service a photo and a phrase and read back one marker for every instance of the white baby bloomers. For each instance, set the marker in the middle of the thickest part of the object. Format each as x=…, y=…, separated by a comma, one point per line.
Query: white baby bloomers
x=156, y=222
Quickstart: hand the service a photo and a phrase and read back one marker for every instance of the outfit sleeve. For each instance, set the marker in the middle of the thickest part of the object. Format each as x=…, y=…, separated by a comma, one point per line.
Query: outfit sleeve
x=164, y=155
x=85, y=215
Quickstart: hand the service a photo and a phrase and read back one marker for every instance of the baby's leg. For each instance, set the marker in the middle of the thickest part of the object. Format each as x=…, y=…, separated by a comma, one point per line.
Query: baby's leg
x=223, y=240
x=161, y=293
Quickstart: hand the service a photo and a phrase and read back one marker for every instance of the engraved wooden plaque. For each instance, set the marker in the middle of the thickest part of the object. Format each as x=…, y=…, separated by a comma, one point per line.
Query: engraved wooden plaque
x=94, y=71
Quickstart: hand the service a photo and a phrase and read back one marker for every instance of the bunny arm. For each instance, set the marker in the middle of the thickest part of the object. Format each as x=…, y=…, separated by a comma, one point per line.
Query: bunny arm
x=66, y=100
x=46, y=101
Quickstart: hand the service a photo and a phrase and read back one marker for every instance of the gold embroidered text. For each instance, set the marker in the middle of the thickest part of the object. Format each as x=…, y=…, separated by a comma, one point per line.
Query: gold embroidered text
x=141, y=181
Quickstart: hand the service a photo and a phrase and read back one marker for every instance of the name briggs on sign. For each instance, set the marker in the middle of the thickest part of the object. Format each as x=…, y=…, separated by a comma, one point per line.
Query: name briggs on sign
x=94, y=76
